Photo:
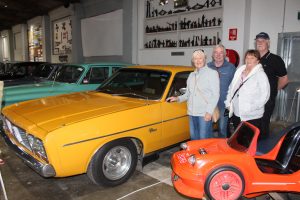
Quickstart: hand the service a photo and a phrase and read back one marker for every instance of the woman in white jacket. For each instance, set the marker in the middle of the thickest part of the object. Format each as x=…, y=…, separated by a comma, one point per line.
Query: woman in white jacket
x=248, y=92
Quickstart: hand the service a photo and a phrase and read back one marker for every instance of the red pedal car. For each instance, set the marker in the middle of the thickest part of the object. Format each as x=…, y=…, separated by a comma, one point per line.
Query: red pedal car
x=226, y=169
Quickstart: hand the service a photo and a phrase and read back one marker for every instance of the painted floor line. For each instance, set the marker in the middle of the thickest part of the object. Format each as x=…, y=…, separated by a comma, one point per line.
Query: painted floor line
x=139, y=190
x=159, y=172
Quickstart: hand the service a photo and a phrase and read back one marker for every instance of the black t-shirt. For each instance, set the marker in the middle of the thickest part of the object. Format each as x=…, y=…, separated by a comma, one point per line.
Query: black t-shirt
x=274, y=67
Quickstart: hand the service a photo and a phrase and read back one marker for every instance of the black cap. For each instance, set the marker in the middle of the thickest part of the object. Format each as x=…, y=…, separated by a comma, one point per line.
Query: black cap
x=262, y=35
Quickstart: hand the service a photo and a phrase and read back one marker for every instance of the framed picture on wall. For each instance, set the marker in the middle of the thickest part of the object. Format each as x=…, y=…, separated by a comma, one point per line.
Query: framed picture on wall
x=62, y=36
x=56, y=51
x=180, y=3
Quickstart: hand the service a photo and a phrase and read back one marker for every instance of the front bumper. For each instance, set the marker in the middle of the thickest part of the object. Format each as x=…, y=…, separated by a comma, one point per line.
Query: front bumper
x=186, y=183
x=186, y=187
x=44, y=169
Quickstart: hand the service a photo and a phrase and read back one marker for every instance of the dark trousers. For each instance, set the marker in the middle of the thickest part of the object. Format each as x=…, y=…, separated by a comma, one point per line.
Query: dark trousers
x=265, y=123
x=256, y=122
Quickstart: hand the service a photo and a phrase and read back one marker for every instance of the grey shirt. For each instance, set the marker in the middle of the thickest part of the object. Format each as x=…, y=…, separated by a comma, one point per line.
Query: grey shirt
x=203, y=91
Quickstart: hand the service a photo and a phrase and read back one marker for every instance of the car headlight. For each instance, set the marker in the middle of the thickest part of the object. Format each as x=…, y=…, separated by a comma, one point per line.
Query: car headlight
x=8, y=124
x=192, y=159
x=30, y=140
x=37, y=146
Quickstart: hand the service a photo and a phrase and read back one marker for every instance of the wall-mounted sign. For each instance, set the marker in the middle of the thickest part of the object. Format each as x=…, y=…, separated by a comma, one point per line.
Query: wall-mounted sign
x=62, y=36
x=232, y=34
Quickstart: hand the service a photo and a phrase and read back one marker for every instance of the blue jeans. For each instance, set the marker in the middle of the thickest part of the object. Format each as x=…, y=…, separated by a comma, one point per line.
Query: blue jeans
x=199, y=128
x=222, y=124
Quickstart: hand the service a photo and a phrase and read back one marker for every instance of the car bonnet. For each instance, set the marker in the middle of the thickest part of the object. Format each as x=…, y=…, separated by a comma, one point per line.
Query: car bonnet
x=51, y=113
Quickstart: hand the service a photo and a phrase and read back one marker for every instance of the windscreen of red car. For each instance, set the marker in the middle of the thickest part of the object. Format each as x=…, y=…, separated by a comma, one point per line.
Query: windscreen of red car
x=242, y=138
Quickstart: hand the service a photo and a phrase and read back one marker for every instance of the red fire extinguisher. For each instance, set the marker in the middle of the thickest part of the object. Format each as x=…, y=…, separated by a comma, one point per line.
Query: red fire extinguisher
x=233, y=57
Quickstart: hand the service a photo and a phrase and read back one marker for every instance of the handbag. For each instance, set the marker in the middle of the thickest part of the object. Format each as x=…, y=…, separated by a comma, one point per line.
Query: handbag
x=216, y=113
x=226, y=112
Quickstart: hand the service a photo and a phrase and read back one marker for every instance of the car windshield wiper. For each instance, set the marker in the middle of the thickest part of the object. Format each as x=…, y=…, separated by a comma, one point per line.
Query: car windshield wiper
x=105, y=90
x=131, y=93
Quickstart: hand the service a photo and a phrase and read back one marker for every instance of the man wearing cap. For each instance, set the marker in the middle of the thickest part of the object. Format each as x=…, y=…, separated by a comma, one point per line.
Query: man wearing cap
x=275, y=69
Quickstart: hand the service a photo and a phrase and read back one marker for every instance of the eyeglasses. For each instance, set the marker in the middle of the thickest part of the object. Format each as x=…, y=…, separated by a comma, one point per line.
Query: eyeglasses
x=199, y=50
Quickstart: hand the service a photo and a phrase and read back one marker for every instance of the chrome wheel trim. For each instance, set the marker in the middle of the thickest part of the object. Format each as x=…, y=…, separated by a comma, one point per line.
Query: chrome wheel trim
x=116, y=163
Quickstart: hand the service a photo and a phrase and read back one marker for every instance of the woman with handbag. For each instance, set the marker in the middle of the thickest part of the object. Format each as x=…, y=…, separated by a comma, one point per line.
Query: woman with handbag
x=202, y=95
x=248, y=92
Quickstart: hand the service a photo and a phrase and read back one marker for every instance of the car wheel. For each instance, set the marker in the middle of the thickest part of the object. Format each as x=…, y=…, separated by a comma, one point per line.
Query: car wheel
x=114, y=163
x=225, y=183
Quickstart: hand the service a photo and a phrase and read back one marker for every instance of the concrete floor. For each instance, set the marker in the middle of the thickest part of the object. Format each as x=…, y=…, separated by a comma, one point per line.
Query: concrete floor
x=153, y=182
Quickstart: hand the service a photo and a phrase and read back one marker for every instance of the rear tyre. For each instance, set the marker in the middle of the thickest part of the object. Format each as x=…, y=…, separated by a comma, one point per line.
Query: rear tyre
x=225, y=183
x=114, y=163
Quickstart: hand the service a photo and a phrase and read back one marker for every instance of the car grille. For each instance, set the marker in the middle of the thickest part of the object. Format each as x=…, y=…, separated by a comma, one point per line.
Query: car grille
x=18, y=133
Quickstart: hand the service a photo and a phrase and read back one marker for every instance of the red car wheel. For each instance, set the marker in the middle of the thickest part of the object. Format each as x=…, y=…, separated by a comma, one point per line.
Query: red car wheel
x=225, y=183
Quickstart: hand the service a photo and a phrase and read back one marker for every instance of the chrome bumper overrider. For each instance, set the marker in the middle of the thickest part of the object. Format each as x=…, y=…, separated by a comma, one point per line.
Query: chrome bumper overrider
x=44, y=170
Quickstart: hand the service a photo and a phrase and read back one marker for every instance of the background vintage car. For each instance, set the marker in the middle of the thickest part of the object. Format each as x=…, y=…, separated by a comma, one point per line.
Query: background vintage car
x=2, y=68
x=230, y=168
x=17, y=70
x=103, y=132
x=40, y=73
x=69, y=78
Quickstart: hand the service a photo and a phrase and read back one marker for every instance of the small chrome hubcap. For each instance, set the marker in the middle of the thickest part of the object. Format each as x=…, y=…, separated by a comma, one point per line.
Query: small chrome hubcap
x=116, y=162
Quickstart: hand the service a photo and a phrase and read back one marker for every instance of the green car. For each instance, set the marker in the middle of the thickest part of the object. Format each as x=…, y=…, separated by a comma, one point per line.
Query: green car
x=69, y=78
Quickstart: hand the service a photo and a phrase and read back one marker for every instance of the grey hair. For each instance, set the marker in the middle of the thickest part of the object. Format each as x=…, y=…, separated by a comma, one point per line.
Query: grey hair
x=220, y=46
x=199, y=52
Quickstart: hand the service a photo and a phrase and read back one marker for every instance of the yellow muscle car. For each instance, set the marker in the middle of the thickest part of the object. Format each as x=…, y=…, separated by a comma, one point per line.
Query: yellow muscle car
x=105, y=132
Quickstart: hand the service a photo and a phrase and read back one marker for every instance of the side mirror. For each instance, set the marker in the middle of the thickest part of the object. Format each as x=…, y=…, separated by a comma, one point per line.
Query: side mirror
x=182, y=91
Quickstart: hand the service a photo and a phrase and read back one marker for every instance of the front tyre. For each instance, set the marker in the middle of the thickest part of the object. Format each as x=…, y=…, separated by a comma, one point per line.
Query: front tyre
x=225, y=183
x=114, y=163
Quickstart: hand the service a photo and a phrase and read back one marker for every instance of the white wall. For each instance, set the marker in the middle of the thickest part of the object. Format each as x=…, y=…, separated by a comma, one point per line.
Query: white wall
x=276, y=21
x=6, y=45
x=20, y=40
x=267, y=19
x=291, y=23
x=235, y=16
x=249, y=17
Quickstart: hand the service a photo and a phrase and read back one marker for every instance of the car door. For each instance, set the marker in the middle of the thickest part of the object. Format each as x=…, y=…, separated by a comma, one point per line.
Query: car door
x=67, y=79
x=94, y=77
x=114, y=69
x=175, y=120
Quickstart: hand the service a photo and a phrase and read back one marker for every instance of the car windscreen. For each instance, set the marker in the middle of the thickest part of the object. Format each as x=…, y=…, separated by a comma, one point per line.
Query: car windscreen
x=137, y=83
x=67, y=74
x=44, y=70
x=17, y=68
x=242, y=138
